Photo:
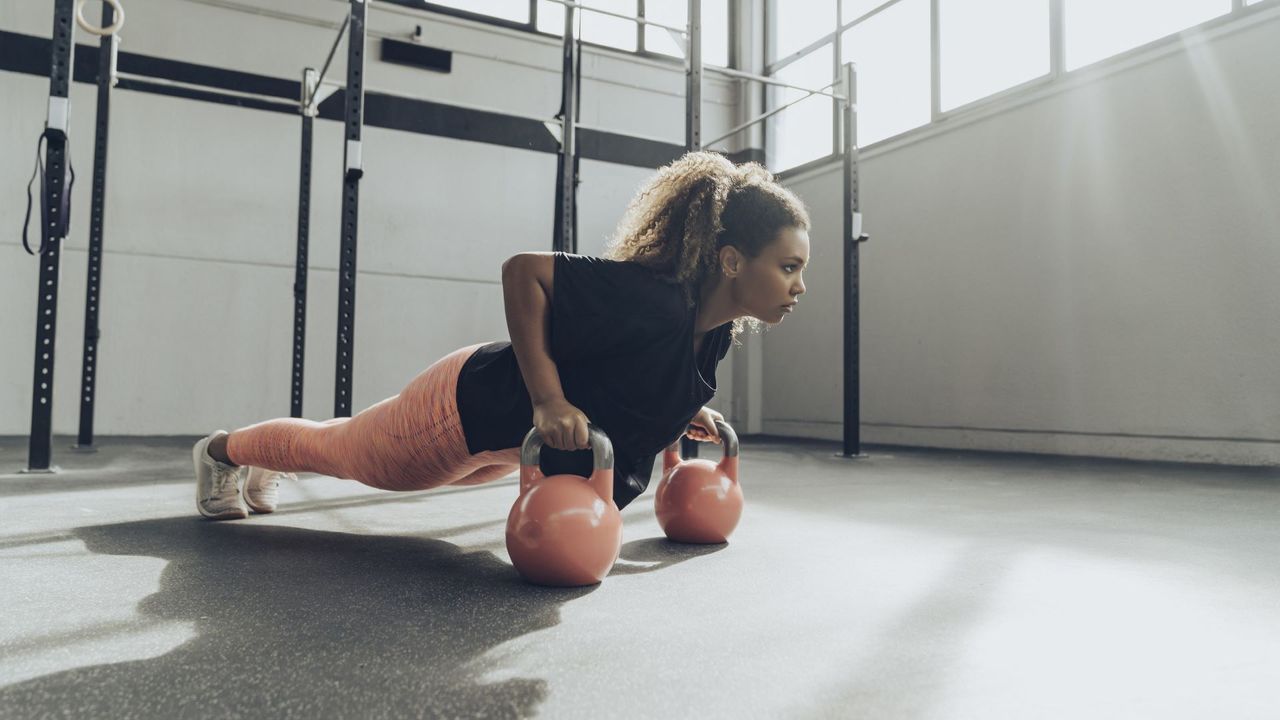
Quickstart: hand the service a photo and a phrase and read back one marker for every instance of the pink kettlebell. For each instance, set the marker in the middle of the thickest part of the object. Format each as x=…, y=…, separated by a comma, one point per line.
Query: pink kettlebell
x=699, y=501
x=565, y=530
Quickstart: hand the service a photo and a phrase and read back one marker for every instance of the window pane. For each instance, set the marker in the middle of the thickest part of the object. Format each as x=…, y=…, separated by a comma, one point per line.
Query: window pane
x=517, y=10
x=990, y=45
x=595, y=28
x=715, y=29
x=1097, y=29
x=892, y=51
x=798, y=23
x=802, y=132
x=853, y=9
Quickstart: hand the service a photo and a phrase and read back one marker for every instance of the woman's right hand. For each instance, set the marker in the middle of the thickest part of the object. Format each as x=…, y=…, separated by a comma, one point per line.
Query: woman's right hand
x=561, y=425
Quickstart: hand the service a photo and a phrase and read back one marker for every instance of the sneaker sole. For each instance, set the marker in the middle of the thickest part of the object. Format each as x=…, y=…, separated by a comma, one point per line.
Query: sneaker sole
x=234, y=513
x=261, y=510
x=258, y=509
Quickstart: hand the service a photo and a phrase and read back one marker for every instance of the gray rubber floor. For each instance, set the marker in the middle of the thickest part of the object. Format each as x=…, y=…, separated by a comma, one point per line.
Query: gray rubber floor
x=909, y=584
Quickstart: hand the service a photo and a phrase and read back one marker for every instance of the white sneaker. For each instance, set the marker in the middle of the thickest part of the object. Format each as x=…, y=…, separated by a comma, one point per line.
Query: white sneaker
x=262, y=488
x=217, y=484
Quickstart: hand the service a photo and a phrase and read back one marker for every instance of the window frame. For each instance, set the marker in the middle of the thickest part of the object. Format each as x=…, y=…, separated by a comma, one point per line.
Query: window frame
x=1057, y=65
x=532, y=28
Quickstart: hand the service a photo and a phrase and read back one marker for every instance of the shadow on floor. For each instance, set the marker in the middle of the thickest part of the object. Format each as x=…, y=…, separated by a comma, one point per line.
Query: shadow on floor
x=316, y=624
x=310, y=623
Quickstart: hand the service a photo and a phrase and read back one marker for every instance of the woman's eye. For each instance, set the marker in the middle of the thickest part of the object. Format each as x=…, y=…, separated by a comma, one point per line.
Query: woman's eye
x=788, y=268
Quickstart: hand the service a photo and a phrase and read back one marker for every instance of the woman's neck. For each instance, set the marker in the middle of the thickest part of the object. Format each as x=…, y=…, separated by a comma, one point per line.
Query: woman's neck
x=715, y=307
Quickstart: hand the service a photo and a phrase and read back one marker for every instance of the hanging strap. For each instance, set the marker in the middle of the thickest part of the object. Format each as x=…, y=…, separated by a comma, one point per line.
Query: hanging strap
x=65, y=206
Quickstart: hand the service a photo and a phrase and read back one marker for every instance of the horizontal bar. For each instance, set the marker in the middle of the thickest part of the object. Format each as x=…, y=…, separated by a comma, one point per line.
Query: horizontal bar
x=206, y=89
x=779, y=83
x=783, y=62
x=642, y=21
x=451, y=103
x=761, y=118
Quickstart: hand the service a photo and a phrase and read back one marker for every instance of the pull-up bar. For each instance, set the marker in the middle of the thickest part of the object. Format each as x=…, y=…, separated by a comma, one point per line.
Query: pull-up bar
x=766, y=116
x=774, y=81
x=632, y=18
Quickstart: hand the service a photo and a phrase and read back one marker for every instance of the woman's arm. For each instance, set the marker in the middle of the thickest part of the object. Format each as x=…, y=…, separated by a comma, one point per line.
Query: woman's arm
x=527, y=289
x=526, y=293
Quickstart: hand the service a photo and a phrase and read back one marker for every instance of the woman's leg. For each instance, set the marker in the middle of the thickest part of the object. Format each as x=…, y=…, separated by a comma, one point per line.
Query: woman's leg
x=491, y=465
x=413, y=441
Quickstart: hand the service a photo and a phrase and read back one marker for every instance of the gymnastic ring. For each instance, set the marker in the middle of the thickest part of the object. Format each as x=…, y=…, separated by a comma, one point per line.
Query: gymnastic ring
x=111, y=29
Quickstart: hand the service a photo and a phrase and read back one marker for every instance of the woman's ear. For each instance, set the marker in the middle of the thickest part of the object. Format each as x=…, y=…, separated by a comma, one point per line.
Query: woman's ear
x=730, y=261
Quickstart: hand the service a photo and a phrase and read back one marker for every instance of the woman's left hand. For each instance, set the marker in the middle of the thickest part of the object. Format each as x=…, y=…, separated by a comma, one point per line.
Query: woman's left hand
x=703, y=426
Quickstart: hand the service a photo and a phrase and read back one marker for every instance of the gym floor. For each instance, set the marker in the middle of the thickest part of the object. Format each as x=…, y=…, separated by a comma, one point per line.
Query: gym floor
x=907, y=584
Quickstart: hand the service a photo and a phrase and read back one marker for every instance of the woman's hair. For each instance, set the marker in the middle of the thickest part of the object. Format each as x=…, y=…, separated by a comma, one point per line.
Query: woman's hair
x=678, y=222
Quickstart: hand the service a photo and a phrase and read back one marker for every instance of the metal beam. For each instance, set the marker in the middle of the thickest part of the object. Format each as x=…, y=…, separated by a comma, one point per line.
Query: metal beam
x=565, y=237
x=693, y=80
x=853, y=237
x=309, y=86
x=353, y=169
x=56, y=205
x=97, y=221
x=693, y=128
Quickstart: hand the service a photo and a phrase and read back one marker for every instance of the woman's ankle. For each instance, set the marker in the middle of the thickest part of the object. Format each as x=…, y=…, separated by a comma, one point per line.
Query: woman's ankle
x=217, y=449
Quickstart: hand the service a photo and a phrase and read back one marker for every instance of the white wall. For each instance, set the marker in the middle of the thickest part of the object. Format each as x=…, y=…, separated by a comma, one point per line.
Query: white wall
x=1090, y=273
x=202, y=202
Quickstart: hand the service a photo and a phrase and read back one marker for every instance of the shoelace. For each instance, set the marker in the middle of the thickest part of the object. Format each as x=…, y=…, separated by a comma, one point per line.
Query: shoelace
x=223, y=478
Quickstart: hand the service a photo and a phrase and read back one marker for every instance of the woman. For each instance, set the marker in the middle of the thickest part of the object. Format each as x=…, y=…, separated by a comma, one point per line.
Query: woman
x=630, y=341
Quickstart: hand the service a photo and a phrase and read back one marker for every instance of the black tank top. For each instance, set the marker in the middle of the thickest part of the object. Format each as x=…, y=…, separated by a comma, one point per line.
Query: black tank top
x=622, y=339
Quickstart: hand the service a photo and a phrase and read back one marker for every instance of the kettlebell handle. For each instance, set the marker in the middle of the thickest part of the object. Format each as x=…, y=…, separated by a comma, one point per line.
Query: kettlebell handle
x=728, y=438
x=601, y=453
x=728, y=464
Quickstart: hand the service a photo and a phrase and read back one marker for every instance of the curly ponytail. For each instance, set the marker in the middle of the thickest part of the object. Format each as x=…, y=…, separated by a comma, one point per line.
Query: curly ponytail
x=695, y=206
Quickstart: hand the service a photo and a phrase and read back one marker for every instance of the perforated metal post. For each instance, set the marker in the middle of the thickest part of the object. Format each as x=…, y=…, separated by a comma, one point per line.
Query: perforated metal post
x=308, y=87
x=352, y=172
x=693, y=124
x=852, y=238
x=52, y=230
x=565, y=237
x=693, y=80
x=97, y=221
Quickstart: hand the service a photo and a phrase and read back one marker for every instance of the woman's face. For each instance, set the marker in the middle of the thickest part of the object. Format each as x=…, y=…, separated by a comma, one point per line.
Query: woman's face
x=768, y=287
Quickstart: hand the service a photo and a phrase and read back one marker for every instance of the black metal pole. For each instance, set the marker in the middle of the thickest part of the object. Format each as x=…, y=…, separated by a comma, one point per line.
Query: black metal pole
x=352, y=171
x=693, y=80
x=53, y=228
x=852, y=238
x=97, y=232
x=564, y=238
x=309, y=86
x=693, y=123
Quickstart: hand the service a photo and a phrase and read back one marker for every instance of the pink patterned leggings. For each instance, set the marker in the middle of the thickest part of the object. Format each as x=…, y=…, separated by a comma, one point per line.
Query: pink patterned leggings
x=412, y=441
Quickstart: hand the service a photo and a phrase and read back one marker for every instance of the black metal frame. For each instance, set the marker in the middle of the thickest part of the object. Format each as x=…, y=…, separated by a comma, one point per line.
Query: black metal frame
x=62, y=47
x=565, y=231
x=53, y=228
x=852, y=322
x=97, y=223
x=353, y=169
x=306, y=95
x=693, y=124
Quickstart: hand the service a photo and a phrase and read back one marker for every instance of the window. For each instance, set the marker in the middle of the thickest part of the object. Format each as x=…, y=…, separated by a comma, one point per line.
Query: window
x=715, y=29
x=514, y=10
x=802, y=132
x=796, y=23
x=892, y=51
x=980, y=57
x=596, y=28
x=1098, y=29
